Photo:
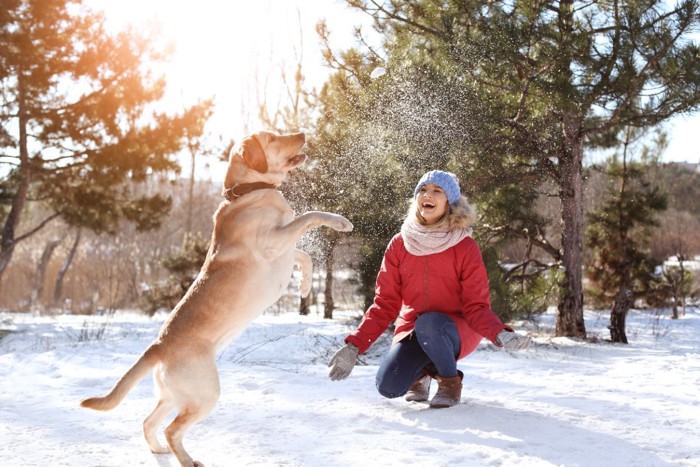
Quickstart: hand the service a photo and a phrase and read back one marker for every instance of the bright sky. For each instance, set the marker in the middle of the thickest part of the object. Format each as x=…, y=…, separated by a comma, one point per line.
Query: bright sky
x=684, y=139
x=221, y=46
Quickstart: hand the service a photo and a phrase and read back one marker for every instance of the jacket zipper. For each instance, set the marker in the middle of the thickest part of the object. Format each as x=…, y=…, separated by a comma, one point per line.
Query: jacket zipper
x=425, y=283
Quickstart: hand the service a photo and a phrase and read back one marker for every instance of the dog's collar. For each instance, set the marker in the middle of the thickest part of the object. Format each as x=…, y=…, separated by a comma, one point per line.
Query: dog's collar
x=237, y=191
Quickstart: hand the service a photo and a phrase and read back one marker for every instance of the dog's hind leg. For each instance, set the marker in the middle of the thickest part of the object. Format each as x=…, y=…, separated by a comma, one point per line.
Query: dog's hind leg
x=175, y=432
x=195, y=390
x=153, y=421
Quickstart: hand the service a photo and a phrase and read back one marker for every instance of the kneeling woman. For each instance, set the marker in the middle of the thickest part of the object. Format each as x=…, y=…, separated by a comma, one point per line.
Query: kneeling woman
x=433, y=283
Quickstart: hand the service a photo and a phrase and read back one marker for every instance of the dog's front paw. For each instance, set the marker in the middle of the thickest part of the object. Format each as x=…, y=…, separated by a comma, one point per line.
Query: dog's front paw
x=342, y=224
x=160, y=449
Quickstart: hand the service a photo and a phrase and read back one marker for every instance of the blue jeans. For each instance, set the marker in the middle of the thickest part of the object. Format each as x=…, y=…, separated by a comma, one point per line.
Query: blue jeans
x=435, y=341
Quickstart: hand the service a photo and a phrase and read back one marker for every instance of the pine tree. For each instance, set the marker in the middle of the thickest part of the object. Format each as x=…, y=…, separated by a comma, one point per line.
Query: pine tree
x=530, y=86
x=619, y=233
x=77, y=120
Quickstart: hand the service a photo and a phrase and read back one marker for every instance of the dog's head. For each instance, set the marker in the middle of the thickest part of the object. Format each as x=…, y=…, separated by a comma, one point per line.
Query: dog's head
x=264, y=157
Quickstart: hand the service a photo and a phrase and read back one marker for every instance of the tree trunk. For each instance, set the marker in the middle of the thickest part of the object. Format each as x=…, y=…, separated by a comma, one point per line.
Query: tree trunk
x=677, y=285
x=190, y=197
x=570, y=317
x=328, y=303
x=618, y=315
x=674, y=305
x=38, y=289
x=304, y=305
x=7, y=245
x=681, y=289
x=58, y=291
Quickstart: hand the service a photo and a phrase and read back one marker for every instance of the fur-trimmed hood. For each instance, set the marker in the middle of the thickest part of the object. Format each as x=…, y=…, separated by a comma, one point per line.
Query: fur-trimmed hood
x=463, y=215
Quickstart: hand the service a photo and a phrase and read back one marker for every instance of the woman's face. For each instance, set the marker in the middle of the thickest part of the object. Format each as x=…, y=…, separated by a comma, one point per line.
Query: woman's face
x=432, y=203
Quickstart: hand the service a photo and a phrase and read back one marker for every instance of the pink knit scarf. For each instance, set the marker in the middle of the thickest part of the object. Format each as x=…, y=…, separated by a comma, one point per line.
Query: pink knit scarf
x=422, y=240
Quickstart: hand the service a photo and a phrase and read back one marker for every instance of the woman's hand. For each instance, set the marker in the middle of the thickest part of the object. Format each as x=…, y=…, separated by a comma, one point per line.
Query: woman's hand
x=343, y=362
x=512, y=341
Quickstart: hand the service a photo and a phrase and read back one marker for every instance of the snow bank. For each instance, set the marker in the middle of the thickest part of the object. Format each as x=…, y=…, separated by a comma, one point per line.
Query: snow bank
x=563, y=402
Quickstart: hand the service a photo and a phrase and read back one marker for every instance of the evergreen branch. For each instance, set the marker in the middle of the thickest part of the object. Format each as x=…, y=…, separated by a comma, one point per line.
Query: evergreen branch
x=637, y=84
x=363, y=41
x=11, y=157
x=391, y=15
x=604, y=81
x=526, y=76
x=331, y=60
x=539, y=265
x=540, y=241
x=40, y=226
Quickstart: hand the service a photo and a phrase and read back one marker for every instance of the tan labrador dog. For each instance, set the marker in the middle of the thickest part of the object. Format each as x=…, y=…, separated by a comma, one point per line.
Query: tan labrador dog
x=248, y=266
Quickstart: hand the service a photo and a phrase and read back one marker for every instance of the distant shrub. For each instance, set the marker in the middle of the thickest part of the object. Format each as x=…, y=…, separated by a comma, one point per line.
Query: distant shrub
x=183, y=267
x=522, y=298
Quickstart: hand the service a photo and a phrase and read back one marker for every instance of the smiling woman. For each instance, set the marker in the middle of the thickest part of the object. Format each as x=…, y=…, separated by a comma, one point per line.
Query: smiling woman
x=234, y=52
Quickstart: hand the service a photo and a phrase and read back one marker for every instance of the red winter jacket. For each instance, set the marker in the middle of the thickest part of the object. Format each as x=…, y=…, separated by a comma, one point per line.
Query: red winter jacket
x=453, y=282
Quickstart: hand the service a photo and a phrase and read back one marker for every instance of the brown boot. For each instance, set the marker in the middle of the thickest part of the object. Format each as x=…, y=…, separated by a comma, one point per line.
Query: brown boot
x=449, y=391
x=419, y=391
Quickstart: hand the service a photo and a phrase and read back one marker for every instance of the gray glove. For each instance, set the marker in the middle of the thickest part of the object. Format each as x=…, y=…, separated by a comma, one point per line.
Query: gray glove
x=512, y=341
x=343, y=362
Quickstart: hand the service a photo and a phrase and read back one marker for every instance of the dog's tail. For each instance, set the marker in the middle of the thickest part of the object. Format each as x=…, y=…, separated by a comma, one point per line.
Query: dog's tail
x=136, y=373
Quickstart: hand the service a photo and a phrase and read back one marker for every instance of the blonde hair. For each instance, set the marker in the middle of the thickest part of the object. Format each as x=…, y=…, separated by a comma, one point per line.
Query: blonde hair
x=460, y=216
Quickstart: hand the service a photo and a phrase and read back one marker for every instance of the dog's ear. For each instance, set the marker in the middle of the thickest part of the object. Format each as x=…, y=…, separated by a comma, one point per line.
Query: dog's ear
x=253, y=154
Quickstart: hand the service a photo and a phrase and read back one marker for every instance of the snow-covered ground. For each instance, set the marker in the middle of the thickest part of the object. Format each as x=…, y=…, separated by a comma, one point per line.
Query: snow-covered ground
x=563, y=402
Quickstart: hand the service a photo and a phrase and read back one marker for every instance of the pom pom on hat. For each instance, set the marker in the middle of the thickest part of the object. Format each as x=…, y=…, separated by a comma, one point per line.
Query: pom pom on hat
x=445, y=180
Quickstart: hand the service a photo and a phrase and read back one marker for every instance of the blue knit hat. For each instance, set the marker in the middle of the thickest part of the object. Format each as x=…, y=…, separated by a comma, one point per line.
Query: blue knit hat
x=445, y=180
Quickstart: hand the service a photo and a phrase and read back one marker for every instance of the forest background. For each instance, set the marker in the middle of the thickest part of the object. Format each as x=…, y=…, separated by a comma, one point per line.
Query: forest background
x=551, y=113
